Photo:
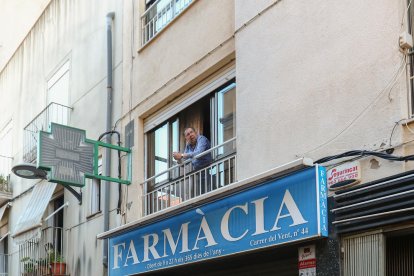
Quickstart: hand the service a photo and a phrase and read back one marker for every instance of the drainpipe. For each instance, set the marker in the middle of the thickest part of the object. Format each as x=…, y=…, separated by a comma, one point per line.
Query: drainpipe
x=109, y=18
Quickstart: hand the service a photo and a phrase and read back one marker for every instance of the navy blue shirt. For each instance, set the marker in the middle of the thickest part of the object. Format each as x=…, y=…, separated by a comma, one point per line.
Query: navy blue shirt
x=202, y=145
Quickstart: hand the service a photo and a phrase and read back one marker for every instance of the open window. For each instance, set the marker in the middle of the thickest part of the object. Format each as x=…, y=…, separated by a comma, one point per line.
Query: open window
x=212, y=116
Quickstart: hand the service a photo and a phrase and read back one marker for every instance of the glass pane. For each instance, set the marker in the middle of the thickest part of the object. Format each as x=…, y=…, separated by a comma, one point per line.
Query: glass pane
x=175, y=146
x=164, y=13
x=161, y=152
x=226, y=111
x=175, y=136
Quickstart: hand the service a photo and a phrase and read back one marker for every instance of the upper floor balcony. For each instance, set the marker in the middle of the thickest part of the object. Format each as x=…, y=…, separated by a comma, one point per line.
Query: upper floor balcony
x=159, y=15
x=5, y=186
x=53, y=113
x=183, y=183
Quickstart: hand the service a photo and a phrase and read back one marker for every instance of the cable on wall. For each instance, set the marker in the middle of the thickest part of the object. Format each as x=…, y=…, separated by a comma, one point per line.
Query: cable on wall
x=390, y=84
x=362, y=153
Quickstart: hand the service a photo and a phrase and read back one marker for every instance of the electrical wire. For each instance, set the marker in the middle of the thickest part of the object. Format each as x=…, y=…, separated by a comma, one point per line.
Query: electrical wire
x=393, y=129
x=389, y=150
x=405, y=123
x=403, y=65
x=361, y=153
x=409, y=129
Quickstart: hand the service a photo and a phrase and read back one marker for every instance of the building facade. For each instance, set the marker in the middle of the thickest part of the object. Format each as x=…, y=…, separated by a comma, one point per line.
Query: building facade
x=307, y=106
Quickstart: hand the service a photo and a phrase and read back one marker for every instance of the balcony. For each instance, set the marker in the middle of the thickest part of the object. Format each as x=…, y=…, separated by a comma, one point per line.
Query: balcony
x=5, y=186
x=159, y=15
x=185, y=184
x=4, y=261
x=44, y=255
x=53, y=113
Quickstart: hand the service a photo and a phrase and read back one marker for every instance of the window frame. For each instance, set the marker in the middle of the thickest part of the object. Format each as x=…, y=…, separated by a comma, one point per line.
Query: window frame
x=170, y=160
x=212, y=96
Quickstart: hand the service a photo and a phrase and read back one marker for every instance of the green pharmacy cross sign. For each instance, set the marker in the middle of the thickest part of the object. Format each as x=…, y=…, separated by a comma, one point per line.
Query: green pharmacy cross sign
x=69, y=157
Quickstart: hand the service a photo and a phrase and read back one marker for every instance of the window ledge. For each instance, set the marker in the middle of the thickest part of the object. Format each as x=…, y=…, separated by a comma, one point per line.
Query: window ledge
x=93, y=215
x=408, y=121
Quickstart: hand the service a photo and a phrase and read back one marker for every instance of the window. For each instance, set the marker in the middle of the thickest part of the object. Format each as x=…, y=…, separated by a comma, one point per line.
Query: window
x=58, y=92
x=158, y=14
x=225, y=124
x=56, y=111
x=212, y=116
x=4, y=256
x=95, y=191
x=161, y=144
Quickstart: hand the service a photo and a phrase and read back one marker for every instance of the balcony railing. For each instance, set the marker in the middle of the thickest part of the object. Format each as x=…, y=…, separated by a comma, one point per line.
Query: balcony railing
x=5, y=169
x=55, y=113
x=43, y=256
x=159, y=15
x=187, y=183
x=4, y=264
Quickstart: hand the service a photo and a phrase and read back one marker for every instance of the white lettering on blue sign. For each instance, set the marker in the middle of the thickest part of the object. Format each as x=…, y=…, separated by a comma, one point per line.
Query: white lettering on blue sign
x=277, y=212
x=323, y=201
x=205, y=233
x=225, y=223
x=173, y=245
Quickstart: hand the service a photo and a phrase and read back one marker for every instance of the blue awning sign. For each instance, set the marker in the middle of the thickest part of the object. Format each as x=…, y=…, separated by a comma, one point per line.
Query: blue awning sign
x=281, y=211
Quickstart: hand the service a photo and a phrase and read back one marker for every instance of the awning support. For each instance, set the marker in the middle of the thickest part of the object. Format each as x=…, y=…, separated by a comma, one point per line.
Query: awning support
x=74, y=192
x=57, y=210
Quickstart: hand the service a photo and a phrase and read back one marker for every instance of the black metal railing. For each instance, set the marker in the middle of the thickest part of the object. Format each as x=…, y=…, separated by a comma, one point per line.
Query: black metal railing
x=44, y=255
x=186, y=183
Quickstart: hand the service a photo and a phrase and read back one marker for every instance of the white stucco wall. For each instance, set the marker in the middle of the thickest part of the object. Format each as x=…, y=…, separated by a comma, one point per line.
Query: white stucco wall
x=198, y=31
x=73, y=31
x=311, y=79
x=194, y=46
x=16, y=18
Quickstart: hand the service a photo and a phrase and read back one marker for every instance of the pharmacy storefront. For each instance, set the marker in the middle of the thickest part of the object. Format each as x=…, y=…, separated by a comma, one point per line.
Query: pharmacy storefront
x=259, y=229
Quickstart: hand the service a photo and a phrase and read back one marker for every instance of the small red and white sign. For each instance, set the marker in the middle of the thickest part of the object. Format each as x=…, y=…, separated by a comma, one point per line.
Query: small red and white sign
x=307, y=261
x=347, y=171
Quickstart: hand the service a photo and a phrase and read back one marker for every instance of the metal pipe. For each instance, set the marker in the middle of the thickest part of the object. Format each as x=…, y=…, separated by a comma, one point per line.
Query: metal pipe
x=109, y=18
x=119, y=165
x=57, y=210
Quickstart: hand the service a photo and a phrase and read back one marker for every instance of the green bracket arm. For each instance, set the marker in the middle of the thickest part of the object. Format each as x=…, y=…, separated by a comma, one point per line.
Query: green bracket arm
x=96, y=175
